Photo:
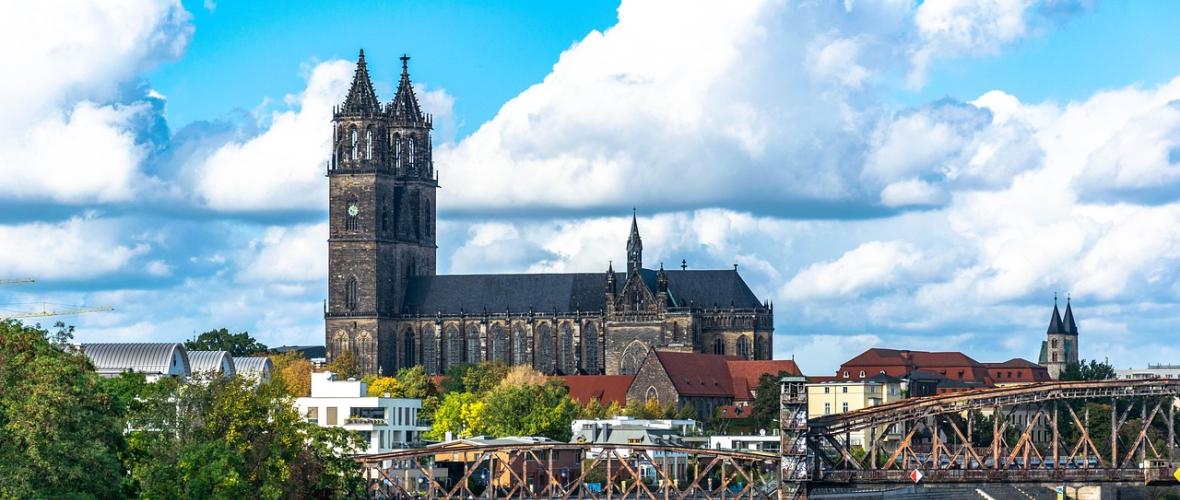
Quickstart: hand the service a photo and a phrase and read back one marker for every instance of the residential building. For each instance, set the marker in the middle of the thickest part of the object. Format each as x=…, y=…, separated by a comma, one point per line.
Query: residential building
x=384, y=424
x=703, y=382
x=153, y=359
x=769, y=443
x=899, y=362
x=831, y=395
x=1152, y=371
x=624, y=431
x=1017, y=371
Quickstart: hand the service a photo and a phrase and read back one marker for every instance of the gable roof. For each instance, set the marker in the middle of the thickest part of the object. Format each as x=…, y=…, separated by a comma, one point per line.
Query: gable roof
x=566, y=292
x=747, y=372
x=900, y=361
x=606, y=389
x=695, y=374
x=1014, y=363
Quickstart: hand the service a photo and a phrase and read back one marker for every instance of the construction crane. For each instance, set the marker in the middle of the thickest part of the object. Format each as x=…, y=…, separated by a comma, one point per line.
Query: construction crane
x=45, y=311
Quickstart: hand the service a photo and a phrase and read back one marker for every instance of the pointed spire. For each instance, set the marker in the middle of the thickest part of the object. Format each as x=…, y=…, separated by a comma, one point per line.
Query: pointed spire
x=405, y=104
x=1071, y=327
x=361, y=98
x=1055, y=321
x=634, y=246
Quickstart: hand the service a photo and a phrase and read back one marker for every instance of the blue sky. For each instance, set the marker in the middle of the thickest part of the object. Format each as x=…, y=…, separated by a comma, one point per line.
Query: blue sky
x=897, y=174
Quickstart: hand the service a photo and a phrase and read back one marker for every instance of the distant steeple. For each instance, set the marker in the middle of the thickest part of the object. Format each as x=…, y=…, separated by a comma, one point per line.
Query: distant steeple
x=610, y=278
x=1055, y=321
x=1071, y=327
x=405, y=104
x=634, y=246
x=361, y=98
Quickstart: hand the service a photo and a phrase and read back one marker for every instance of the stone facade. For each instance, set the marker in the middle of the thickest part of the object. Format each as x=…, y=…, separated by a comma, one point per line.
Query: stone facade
x=389, y=308
x=1060, y=347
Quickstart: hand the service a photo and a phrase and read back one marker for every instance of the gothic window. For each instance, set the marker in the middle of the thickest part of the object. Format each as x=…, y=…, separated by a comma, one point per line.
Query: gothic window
x=1053, y=343
x=384, y=211
x=651, y=393
x=427, y=227
x=1054, y=357
x=366, y=352
x=454, y=346
x=499, y=344
x=743, y=347
x=632, y=357
x=341, y=341
x=350, y=294
x=569, y=365
x=410, y=152
x=368, y=144
x=758, y=349
x=718, y=346
x=429, y=354
x=354, y=144
x=416, y=214
x=520, y=346
x=544, y=361
x=397, y=150
x=473, y=349
x=408, y=348
x=590, y=349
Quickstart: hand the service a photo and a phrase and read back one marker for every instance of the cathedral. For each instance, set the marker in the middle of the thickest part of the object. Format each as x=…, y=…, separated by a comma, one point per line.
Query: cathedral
x=388, y=306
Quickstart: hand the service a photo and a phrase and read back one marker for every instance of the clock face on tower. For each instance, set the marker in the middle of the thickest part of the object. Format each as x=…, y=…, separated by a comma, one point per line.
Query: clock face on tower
x=353, y=210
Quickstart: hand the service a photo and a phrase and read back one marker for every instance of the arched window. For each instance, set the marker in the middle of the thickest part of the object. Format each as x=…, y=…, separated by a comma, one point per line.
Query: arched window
x=397, y=150
x=651, y=393
x=520, y=346
x=499, y=344
x=569, y=365
x=350, y=294
x=368, y=144
x=544, y=358
x=474, y=353
x=1054, y=357
x=429, y=350
x=590, y=349
x=410, y=152
x=408, y=348
x=718, y=346
x=354, y=144
x=758, y=349
x=341, y=342
x=366, y=353
x=454, y=346
x=743, y=347
x=416, y=214
x=1053, y=343
x=862, y=374
x=632, y=358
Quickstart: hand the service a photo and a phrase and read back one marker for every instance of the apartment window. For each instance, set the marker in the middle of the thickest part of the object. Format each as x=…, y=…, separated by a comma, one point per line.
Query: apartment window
x=862, y=374
x=844, y=389
x=827, y=390
x=1018, y=374
x=634, y=440
x=313, y=415
x=827, y=408
x=368, y=412
x=845, y=374
x=331, y=415
x=844, y=407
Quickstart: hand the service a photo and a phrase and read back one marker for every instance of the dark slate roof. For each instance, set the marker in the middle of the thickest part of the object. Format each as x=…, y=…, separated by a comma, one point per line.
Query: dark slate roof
x=1070, y=326
x=1055, y=322
x=566, y=292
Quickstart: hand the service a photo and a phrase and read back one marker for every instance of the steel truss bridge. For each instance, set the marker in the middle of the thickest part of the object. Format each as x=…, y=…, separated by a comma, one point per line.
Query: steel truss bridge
x=1032, y=433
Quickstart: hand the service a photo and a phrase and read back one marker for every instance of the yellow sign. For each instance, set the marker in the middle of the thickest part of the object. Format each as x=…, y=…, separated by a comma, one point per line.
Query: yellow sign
x=1176, y=474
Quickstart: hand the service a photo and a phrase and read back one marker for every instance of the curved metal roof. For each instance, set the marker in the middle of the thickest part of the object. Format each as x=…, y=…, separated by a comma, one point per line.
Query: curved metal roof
x=257, y=367
x=212, y=361
x=145, y=357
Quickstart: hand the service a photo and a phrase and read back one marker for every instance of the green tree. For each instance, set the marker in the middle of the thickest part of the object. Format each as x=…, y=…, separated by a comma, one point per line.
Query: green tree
x=291, y=372
x=413, y=382
x=344, y=365
x=461, y=414
x=237, y=344
x=1094, y=370
x=530, y=410
x=483, y=377
x=228, y=438
x=60, y=432
x=764, y=410
x=384, y=385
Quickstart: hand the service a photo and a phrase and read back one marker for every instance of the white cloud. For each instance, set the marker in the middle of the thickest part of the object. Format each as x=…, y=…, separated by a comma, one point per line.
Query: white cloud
x=286, y=255
x=872, y=266
x=77, y=249
x=950, y=28
x=63, y=137
x=283, y=168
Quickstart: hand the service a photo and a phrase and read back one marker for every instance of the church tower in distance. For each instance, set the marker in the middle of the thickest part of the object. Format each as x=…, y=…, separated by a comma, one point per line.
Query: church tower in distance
x=381, y=214
x=1060, y=347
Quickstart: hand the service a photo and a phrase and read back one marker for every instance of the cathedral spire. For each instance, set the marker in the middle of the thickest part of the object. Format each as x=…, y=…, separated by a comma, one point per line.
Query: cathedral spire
x=405, y=104
x=1070, y=326
x=361, y=98
x=1055, y=321
x=634, y=246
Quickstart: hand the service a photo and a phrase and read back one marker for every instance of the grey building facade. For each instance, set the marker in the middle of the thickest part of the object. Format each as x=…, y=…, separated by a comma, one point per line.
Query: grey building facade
x=390, y=309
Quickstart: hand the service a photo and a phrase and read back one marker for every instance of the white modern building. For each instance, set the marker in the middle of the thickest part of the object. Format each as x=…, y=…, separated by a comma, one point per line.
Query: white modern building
x=384, y=423
x=1152, y=371
x=153, y=359
x=757, y=442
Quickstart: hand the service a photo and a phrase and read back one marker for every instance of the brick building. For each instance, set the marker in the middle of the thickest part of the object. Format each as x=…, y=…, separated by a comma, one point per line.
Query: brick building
x=702, y=381
x=388, y=306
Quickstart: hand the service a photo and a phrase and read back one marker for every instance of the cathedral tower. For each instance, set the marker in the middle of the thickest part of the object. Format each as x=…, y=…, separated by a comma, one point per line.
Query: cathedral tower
x=1060, y=347
x=381, y=218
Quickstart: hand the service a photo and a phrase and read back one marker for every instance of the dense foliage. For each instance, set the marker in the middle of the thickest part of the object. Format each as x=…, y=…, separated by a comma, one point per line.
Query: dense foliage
x=237, y=344
x=67, y=433
x=1094, y=370
x=497, y=401
x=292, y=372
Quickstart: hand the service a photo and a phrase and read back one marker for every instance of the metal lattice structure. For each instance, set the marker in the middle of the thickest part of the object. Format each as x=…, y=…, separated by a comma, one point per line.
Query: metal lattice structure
x=1038, y=433
x=603, y=471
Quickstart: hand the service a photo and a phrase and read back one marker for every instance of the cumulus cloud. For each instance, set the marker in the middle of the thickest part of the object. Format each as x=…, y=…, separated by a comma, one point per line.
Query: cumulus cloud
x=872, y=266
x=286, y=255
x=283, y=167
x=69, y=129
x=77, y=249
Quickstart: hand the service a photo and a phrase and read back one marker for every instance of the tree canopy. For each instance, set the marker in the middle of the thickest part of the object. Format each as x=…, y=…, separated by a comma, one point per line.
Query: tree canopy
x=237, y=344
x=1094, y=370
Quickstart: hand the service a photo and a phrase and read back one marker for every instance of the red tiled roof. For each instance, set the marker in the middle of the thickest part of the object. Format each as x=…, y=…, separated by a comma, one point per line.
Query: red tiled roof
x=747, y=373
x=1014, y=363
x=698, y=374
x=606, y=389
x=735, y=412
x=903, y=361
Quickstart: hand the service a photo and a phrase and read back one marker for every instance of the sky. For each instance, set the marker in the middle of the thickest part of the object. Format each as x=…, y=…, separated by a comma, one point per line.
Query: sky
x=889, y=173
